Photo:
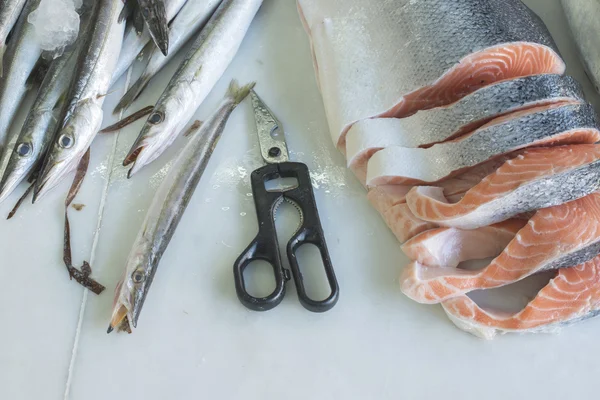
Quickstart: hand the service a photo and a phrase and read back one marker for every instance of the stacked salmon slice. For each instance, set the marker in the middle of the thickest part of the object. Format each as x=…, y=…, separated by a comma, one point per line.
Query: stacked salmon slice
x=471, y=142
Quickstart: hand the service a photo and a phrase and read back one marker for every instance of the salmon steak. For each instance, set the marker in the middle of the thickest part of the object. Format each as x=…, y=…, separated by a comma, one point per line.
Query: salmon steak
x=448, y=247
x=428, y=127
x=369, y=57
x=548, y=125
x=572, y=296
x=538, y=178
x=557, y=237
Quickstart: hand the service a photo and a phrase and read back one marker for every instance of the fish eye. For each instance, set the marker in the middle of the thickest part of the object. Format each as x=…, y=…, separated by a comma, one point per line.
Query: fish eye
x=24, y=149
x=66, y=141
x=138, y=276
x=156, y=118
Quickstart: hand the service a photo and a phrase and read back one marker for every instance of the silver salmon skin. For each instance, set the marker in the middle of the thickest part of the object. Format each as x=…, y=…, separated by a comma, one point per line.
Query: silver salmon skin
x=392, y=58
x=547, y=125
x=425, y=128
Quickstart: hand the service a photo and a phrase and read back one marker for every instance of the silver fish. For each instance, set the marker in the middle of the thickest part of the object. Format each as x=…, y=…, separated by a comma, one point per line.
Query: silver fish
x=192, y=18
x=39, y=126
x=165, y=212
x=385, y=58
x=427, y=127
x=9, y=14
x=155, y=16
x=22, y=54
x=203, y=66
x=133, y=43
x=83, y=116
x=572, y=123
x=582, y=17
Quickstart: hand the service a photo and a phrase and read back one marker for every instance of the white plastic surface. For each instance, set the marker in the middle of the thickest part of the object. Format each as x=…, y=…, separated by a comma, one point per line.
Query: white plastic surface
x=194, y=339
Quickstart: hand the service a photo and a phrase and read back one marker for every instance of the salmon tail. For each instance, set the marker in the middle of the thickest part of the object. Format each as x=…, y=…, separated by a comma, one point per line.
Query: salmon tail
x=132, y=94
x=237, y=93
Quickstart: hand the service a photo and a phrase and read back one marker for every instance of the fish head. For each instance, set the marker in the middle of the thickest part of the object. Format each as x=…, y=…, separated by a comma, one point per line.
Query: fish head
x=67, y=149
x=159, y=132
x=24, y=155
x=131, y=291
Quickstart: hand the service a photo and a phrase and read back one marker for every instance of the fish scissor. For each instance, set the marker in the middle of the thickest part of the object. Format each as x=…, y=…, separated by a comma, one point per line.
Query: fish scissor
x=265, y=245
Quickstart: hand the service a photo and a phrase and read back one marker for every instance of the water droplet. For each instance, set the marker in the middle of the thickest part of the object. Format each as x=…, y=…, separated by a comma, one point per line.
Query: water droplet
x=216, y=186
x=243, y=214
x=225, y=208
x=249, y=194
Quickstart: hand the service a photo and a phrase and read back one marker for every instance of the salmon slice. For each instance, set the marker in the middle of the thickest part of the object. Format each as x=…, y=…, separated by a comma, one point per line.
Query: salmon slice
x=548, y=125
x=539, y=178
x=369, y=57
x=384, y=197
x=573, y=295
x=425, y=128
x=403, y=223
x=556, y=237
x=448, y=247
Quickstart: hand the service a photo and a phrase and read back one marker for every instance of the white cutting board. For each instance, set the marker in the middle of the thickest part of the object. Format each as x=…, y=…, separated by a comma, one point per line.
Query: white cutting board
x=194, y=339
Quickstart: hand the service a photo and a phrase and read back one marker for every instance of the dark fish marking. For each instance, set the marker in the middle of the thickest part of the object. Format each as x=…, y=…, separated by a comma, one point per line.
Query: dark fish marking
x=20, y=201
x=81, y=276
x=128, y=120
x=196, y=125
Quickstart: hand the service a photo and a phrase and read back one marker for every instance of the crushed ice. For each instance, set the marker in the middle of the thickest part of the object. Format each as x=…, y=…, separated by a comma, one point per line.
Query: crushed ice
x=56, y=24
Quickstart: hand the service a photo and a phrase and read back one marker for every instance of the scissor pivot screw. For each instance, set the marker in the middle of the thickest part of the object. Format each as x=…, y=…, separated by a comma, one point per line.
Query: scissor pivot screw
x=274, y=152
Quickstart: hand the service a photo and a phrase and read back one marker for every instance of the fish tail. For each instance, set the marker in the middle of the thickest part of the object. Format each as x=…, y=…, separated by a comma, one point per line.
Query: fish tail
x=132, y=94
x=237, y=93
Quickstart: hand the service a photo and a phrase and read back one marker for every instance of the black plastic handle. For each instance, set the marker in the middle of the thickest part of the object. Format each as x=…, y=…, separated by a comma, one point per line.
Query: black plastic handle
x=266, y=247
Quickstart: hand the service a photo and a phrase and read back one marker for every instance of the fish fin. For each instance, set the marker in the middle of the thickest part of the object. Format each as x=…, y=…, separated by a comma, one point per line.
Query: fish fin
x=126, y=11
x=132, y=94
x=37, y=73
x=193, y=128
x=237, y=93
x=128, y=120
x=138, y=20
x=2, y=50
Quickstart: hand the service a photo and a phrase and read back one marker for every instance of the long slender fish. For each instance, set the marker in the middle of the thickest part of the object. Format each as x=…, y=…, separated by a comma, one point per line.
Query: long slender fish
x=83, y=116
x=39, y=126
x=133, y=43
x=392, y=58
x=9, y=14
x=582, y=17
x=165, y=212
x=22, y=55
x=203, y=66
x=192, y=18
x=155, y=16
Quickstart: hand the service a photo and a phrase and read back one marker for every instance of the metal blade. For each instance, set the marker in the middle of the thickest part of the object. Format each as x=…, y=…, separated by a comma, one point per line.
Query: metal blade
x=271, y=138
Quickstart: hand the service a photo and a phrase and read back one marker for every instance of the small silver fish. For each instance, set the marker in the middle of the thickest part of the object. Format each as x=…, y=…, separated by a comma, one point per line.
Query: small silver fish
x=203, y=66
x=22, y=54
x=582, y=17
x=165, y=212
x=155, y=16
x=83, y=117
x=9, y=13
x=187, y=23
x=39, y=126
